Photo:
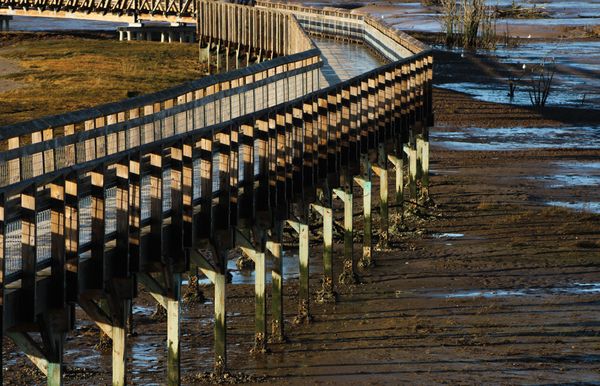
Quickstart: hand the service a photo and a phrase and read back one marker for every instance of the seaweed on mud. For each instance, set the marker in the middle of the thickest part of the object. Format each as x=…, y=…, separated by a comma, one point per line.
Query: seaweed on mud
x=225, y=378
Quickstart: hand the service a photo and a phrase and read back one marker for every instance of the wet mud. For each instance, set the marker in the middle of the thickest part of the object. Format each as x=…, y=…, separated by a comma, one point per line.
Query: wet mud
x=495, y=283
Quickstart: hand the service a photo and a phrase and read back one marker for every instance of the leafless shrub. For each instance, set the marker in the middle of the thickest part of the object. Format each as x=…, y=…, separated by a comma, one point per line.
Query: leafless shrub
x=469, y=23
x=540, y=83
x=472, y=14
x=449, y=20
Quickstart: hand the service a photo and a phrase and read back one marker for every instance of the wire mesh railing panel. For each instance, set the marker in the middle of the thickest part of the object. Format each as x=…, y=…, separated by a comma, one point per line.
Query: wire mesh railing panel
x=13, y=247
x=166, y=194
x=110, y=210
x=85, y=220
x=145, y=205
x=43, y=237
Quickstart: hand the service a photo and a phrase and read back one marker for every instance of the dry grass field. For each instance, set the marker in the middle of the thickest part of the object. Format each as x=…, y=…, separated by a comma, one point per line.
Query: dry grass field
x=64, y=73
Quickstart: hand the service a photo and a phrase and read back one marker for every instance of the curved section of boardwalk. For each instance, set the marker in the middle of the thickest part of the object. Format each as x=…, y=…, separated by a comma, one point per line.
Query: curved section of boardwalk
x=95, y=202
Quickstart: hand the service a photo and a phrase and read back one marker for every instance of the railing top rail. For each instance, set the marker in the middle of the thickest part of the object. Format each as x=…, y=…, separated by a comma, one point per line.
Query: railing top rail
x=200, y=132
x=400, y=37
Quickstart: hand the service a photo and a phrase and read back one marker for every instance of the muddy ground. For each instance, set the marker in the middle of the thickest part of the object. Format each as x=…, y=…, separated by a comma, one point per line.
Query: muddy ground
x=490, y=285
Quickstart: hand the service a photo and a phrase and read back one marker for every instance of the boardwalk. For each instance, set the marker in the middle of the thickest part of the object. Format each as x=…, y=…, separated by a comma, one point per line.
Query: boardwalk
x=98, y=201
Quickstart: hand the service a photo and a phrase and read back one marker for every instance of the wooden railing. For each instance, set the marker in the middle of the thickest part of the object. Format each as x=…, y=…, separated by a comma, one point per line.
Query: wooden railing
x=113, y=10
x=88, y=200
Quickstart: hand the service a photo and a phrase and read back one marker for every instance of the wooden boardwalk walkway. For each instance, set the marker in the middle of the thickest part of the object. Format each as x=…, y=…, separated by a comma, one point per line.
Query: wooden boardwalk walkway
x=95, y=202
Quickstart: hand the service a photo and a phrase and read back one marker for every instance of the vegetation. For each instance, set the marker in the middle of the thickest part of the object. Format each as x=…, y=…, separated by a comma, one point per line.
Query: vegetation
x=516, y=11
x=468, y=23
x=66, y=73
x=540, y=83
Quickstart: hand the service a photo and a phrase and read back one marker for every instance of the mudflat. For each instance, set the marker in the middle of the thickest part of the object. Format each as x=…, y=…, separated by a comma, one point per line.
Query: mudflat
x=495, y=282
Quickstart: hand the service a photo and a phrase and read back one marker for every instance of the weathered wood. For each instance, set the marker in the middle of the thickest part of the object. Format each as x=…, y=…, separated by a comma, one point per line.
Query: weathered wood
x=327, y=293
x=97, y=315
x=119, y=347
x=277, y=323
x=348, y=275
x=382, y=173
x=31, y=349
x=260, y=305
x=173, y=309
x=398, y=163
x=367, y=255
x=220, y=330
x=201, y=158
x=304, y=268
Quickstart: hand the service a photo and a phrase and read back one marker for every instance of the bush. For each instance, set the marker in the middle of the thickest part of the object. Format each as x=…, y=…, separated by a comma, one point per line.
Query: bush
x=468, y=23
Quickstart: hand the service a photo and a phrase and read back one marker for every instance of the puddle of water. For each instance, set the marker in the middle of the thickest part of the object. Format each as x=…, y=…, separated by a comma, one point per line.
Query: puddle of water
x=142, y=310
x=495, y=92
x=518, y=138
x=564, y=180
x=447, y=235
x=144, y=358
x=575, y=83
x=291, y=270
x=590, y=207
x=578, y=165
x=575, y=289
x=572, y=173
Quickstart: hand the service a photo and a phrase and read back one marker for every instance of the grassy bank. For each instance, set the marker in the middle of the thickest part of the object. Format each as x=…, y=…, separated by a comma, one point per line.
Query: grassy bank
x=64, y=73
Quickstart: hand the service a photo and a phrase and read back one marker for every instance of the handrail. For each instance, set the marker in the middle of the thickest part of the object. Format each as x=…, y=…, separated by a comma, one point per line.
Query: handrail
x=383, y=100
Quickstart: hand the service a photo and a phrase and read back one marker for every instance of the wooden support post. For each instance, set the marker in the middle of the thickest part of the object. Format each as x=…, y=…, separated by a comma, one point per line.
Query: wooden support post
x=382, y=173
x=419, y=148
x=348, y=275
x=326, y=294
x=398, y=163
x=304, y=295
x=424, y=170
x=412, y=172
x=173, y=327
x=260, y=310
x=219, y=279
x=220, y=331
x=119, y=345
x=55, y=373
x=277, y=332
x=366, y=260
x=260, y=291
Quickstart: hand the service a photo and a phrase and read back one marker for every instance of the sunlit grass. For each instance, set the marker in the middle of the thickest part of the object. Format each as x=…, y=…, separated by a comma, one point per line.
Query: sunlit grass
x=64, y=74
